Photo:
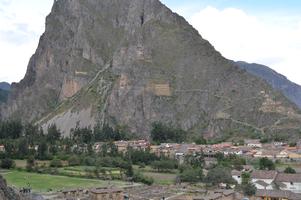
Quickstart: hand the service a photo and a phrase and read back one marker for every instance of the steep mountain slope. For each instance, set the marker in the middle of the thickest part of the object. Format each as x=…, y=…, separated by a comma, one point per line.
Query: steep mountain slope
x=133, y=63
x=5, y=86
x=291, y=90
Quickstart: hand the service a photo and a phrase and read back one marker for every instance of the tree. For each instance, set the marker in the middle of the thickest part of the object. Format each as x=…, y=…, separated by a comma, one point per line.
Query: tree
x=219, y=175
x=161, y=133
x=249, y=189
x=7, y=163
x=30, y=163
x=11, y=129
x=266, y=164
x=163, y=165
x=246, y=178
x=22, y=148
x=43, y=150
x=53, y=134
x=247, y=186
x=191, y=175
x=200, y=140
x=290, y=170
x=293, y=144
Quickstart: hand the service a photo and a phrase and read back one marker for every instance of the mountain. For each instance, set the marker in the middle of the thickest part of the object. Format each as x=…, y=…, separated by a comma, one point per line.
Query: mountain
x=5, y=86
x=3, y=95
x=279, y=82
x=135, y=62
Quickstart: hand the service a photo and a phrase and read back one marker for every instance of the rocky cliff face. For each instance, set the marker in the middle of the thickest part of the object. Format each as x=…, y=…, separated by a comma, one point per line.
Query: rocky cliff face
x=291, y=90
x=135, y=62
x=7, y=193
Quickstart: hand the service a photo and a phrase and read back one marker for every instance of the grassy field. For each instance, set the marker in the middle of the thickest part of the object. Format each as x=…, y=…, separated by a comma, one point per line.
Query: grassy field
x=44, y=183
x=161, y=178
x=87, y=171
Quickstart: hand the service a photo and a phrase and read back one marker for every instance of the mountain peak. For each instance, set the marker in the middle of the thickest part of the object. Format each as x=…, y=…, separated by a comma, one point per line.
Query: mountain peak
x=136, y=62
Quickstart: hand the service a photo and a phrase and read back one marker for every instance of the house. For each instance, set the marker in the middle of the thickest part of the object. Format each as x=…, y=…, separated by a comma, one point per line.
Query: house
x=155, y=149
x=253, y=143
x=2, y=148
x=294, y=156
x=263, y=179
x=247, y=168
x=232, y=151
x=97, y=147
x=279, y=144
x=276, y=195
x=266, y=154
x=290, y=182
x=216, y=195
x=236, y=175
x=122, y=146
x=106, y=194
x=282, y=155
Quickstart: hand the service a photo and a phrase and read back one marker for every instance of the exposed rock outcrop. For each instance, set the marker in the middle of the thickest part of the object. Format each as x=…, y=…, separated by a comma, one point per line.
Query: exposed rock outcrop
x=6, y=193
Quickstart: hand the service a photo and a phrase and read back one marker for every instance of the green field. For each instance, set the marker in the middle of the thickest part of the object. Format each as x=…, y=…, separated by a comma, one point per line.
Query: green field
x=84, y=171
x=44, y=182
x=160, y=178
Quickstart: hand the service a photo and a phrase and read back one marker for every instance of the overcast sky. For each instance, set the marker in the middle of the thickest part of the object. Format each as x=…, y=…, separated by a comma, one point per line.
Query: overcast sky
x=260, y=31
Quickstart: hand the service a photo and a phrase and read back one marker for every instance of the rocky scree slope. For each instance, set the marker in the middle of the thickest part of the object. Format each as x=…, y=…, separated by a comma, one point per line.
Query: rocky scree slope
x=133, y=63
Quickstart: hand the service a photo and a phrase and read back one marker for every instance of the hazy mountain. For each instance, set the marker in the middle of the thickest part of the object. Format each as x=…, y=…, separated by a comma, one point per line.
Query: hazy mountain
x=291, y=90
x=135, y=62
x=4, y=86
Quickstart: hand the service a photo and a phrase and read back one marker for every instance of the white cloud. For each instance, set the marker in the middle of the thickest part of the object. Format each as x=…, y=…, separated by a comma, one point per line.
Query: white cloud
x=21, y=24
x=271, y=40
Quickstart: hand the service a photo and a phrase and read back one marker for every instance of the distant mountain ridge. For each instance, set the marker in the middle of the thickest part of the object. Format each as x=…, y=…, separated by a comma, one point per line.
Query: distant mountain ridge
x=279, y=82
x=4, y=91
x=5, y=86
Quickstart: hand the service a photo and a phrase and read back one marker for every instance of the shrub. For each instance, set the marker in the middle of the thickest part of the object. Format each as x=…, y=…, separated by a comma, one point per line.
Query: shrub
x=138, y=177
x=249, y=189
x=7, y=163
x=30, y=164
x=290, y=170
x=56, y=163
x=73, y=161
x=89, y=161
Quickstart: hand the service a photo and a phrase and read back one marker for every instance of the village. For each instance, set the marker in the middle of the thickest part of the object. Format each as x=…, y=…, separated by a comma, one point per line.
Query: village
x=270, y=184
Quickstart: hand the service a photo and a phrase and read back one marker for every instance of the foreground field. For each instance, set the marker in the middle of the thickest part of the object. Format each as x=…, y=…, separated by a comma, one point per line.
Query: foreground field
x=45, y=183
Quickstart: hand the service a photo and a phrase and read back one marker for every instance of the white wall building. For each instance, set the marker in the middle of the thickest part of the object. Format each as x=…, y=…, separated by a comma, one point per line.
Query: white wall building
x=290, y=182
